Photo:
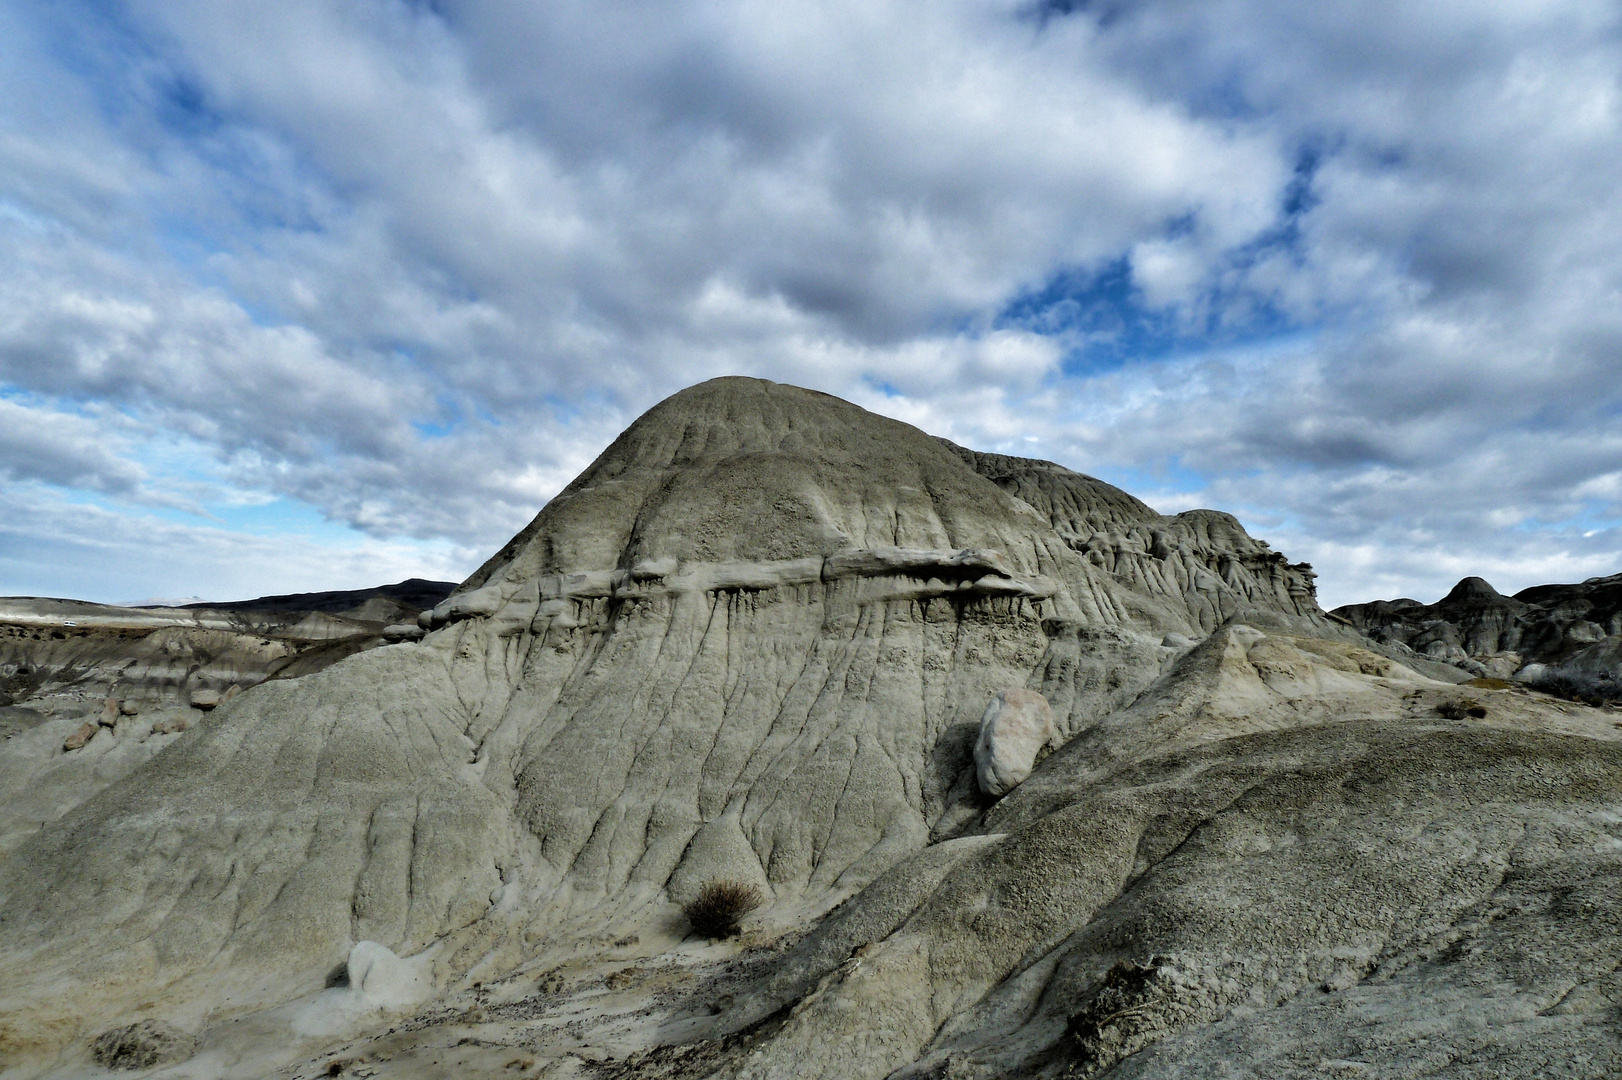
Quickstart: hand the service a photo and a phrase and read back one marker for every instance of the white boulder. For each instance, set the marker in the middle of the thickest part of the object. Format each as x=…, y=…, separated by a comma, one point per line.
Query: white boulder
x=1016, y=726
x=381, y=980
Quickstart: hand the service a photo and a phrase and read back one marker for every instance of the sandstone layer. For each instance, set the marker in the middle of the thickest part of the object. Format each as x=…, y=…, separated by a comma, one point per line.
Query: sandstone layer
x=755, y=642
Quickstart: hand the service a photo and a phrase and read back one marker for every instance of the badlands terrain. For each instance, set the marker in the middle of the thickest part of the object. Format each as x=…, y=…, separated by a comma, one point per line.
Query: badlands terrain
x=123, y=681
x=1031, y=781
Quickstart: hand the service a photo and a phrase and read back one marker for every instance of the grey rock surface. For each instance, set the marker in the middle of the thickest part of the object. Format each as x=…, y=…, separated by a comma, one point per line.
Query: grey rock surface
x=98, y=663
x=754, y=641
x=57, y=652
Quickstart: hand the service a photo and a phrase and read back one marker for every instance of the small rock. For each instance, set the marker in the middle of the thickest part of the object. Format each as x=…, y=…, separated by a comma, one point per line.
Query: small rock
x=205, y=699
x=129, y=708
x=1016, y=726
x=142, y=1045
x=170, y=725
x=403, y=632
x=109, y=713
x=81, y=735
x=1532, y=673
x=231, y=691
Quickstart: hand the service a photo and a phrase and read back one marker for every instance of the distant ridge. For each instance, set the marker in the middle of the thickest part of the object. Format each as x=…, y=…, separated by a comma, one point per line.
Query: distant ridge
x=419, y=593
x=1570, y=630
x=66, y=656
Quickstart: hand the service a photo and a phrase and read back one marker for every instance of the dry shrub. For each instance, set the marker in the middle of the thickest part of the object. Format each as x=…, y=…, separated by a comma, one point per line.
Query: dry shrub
x=1458, y=710
x=1580, y=686
x=720, y=905
x=142, y=1045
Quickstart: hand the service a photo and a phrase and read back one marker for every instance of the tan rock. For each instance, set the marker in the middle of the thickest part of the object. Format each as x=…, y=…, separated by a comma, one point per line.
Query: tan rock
x=1015, y=728
x=81, y=735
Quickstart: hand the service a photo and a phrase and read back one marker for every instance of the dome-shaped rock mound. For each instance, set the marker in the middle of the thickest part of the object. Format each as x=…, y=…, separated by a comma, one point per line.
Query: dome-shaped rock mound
x=753, y=642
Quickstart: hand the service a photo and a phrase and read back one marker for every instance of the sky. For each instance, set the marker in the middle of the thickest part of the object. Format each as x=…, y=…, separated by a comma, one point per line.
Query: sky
x=324, y=294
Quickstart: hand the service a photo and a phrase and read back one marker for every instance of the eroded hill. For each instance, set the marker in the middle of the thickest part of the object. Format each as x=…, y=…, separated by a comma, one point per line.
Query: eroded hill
x=1565, y=638
x=755, y=642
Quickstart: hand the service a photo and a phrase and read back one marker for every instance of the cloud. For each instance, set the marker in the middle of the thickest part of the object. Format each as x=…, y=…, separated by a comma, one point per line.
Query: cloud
x=51, y=546
x=61, y=449
x=1351, y=271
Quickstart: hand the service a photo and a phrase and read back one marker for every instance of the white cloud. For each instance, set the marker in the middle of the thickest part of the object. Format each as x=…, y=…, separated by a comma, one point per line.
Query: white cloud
x=1168, y=271
x=62, y=449
x=50, y=546
x=414, y=263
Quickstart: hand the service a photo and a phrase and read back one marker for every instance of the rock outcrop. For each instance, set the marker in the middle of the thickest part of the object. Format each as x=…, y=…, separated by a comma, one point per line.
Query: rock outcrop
x=60, y=655
x=754, y=642
x=1200, y=560
x=1569, y=635
x=67, y=666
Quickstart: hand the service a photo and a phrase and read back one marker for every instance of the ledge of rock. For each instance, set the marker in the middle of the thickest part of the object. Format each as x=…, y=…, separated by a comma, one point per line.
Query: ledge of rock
x=920, y=573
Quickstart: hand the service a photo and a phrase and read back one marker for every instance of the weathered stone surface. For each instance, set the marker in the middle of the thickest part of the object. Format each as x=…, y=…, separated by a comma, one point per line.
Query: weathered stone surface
x=1016, y=727
x=15, y=720
x=170, y=725
x=1574, y=631
x=57, y=652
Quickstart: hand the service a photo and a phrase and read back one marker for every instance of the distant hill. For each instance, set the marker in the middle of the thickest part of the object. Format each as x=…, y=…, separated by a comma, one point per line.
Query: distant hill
x=418, y=593
x=1569, y=633
x=68, y=656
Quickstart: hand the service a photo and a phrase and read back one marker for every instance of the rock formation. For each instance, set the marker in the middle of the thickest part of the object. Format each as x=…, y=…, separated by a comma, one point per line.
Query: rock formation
x=754, y=642
x=58, y=655
x=1567, y=636
x=112, y=681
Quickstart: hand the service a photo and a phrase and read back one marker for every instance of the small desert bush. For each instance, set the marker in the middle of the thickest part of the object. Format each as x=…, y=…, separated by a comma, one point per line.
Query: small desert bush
x=720, y=905
x=142, y=1045
x=1458, y=710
